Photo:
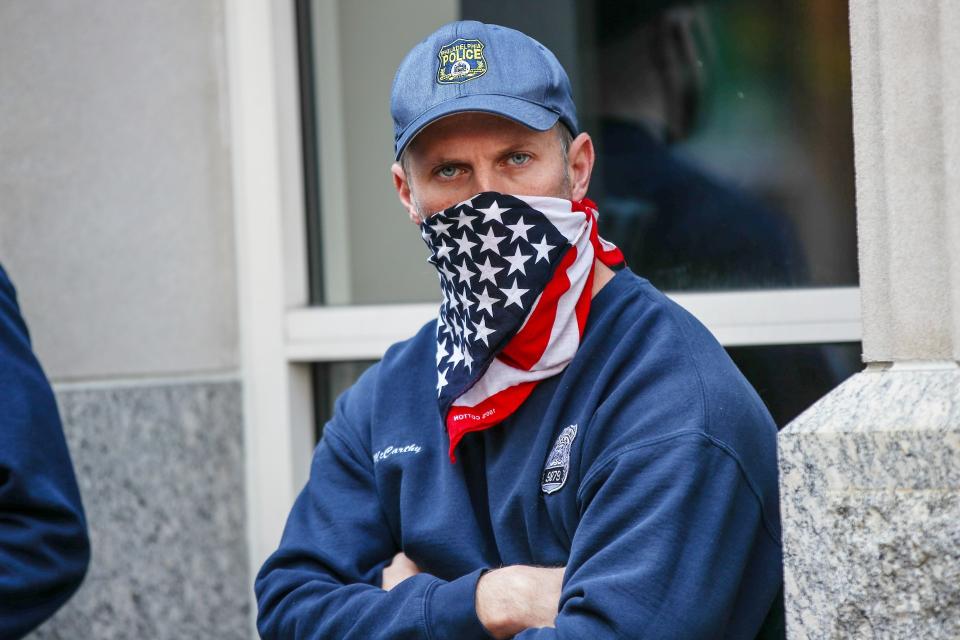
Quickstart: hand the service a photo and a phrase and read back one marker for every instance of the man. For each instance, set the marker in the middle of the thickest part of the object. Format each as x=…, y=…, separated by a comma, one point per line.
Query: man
x=44, y=549
x=564, y=452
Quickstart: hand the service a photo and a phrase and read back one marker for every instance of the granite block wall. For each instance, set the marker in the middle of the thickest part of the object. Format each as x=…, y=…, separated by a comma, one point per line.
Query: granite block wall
x=870, y=498
x=160, y=469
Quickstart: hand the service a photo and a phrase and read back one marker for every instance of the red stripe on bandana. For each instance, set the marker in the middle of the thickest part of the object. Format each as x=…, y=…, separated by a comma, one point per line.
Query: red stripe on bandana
x=607, y=253
x=526, y=348
x=492, y=411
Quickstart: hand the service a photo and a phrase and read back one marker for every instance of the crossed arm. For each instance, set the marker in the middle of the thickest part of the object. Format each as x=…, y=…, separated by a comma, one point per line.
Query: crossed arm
x=688, y=556
x=508, y=600
x=325, y=579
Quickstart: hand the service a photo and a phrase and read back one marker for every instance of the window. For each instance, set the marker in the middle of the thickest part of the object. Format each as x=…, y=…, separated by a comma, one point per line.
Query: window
x=309, y=88
x=724, y=172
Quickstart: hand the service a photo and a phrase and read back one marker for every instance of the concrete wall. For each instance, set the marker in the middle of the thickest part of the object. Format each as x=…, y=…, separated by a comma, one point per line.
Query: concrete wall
x=115, y=220
x=906, y=99
x=116, y=226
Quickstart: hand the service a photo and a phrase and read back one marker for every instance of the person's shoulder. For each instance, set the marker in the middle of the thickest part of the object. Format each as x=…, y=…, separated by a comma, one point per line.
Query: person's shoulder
x=662, y=342
x=410, y=357
x=733, y=411
x=407, y=367
x=415, y=350
x=643, y=338
x=404, y=369
x=15, y=344
x=6, y=287
x=672, y=381
x=635, y=361
x=9, y=307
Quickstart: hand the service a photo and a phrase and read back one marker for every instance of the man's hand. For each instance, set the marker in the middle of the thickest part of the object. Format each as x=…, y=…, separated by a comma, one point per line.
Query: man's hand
x=399, y=569
x=508, y=600
x=518, y=597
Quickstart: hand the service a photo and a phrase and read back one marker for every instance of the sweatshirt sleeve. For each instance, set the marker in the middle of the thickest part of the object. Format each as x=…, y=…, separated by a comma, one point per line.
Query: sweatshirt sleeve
x=672, y=543
x=323, y=581
x=44, y=549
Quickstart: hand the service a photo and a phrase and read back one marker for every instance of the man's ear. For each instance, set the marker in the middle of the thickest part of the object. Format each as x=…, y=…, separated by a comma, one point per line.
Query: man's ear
x=580, y=158
x=402, y=185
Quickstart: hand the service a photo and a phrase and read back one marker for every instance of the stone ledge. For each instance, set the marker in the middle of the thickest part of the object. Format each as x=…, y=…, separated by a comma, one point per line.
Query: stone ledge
x=870, y=500
x=160, y=469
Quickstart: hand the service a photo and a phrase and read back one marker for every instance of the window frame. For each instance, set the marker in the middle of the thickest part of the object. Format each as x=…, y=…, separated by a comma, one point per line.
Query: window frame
x=736, y=318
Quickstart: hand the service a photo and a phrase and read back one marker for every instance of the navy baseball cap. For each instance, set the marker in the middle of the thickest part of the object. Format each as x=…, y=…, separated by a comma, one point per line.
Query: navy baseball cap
x=472, y=66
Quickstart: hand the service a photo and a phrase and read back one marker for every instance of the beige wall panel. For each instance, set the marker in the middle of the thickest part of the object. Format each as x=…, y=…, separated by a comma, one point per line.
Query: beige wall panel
x=904, y=97
x=115, y=213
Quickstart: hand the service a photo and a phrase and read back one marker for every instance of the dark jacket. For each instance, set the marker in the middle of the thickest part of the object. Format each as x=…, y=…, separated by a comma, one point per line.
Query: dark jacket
x=647, y=468
x=44, y=550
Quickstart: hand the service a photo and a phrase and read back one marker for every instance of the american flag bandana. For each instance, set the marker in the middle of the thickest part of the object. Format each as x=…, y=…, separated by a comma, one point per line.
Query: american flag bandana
x=516, y=274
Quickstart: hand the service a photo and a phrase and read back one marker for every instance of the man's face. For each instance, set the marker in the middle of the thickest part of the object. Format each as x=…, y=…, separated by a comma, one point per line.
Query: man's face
x=468, y=153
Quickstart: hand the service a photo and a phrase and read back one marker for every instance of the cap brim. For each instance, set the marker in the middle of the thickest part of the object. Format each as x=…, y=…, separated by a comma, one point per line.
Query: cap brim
x=526, y=113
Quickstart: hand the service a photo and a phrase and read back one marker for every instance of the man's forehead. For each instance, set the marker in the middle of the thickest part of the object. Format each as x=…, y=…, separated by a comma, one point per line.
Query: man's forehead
x=447, y=135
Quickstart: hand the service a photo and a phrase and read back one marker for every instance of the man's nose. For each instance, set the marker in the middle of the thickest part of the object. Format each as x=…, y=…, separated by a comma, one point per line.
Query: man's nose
x=488, y=180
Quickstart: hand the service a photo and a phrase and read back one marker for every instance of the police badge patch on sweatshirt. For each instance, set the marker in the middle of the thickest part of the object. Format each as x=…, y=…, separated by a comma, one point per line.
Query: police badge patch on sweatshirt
x=557, y=469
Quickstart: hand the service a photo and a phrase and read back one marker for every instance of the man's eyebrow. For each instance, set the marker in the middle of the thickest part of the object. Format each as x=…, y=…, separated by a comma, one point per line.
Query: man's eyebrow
x=522, y=141
x=444, y=160
x=519, y=142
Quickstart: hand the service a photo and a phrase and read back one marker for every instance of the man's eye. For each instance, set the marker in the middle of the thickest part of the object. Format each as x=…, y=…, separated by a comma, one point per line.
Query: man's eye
x=518, y=159
x=448, y=171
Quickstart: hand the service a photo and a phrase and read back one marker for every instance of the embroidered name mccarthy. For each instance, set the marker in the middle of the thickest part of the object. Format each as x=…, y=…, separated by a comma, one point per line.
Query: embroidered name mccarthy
x=383, y=454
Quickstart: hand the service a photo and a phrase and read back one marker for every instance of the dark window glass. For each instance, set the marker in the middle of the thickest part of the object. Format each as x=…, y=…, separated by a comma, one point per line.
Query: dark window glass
x=330, y=379
x=791, y=377
x=722, y=129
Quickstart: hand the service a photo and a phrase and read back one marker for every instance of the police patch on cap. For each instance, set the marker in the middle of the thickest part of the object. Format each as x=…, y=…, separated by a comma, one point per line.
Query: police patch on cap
x=460, y=61
x=557, y=469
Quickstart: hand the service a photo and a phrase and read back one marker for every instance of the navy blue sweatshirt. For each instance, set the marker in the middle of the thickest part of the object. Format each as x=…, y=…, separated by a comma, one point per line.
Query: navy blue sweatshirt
x=666, y=516
x=43, y=534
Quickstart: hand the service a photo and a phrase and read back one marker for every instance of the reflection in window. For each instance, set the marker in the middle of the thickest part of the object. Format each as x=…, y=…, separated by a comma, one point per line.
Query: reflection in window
x=723, y=131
